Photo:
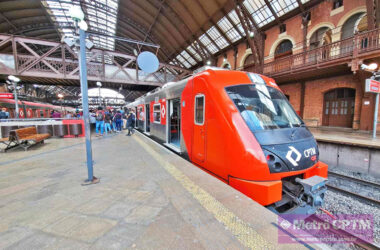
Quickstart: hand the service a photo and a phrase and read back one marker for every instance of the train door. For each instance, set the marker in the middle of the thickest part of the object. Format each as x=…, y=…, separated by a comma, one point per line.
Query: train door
x=174, y=122
x=339, y=105
x=199, y=128
x=147, y=118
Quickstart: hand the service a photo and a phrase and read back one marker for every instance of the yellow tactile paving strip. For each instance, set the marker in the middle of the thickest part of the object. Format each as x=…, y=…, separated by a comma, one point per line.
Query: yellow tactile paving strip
x=242, y=231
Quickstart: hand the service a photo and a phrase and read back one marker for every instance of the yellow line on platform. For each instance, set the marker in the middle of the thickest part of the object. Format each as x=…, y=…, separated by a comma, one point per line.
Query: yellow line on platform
x=247, y=236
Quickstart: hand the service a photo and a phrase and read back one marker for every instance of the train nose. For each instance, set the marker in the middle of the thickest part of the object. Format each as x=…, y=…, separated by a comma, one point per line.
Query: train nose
x=291, y=156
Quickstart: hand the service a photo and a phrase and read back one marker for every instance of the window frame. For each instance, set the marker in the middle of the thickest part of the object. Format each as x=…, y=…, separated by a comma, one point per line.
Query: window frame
x=157, y=104
x=195, y=109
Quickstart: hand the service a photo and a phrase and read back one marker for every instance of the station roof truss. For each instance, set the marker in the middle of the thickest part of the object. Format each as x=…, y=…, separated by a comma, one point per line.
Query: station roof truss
x=189, y=32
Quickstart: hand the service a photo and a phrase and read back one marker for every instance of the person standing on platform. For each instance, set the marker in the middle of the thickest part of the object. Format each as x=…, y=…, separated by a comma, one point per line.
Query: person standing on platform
x=56, y=114
x=3, y=114
x=124, y=116
x=107, y=122
x=130, y=121
x=118, y=121
x=99, y=121
x=114, y=120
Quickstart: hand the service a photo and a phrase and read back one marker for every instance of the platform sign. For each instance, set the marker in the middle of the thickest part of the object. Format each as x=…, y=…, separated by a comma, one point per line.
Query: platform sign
x=6, y=96
x=372, y=86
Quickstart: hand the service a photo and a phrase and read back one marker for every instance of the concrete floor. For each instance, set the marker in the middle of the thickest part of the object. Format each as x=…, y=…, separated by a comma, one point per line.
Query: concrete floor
x=148, y=198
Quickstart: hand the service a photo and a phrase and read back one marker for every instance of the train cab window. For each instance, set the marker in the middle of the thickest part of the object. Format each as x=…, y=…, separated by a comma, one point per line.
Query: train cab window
x=157, y=113
x=263, y=107
x=199, y=109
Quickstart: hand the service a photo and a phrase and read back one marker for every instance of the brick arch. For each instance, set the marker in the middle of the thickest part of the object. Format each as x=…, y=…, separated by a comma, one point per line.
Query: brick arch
x=340, y=87
x=226, y=62
x=278, y=41
x=317, y=27
x=246, y=54
x=316, y=90
x=343, y=19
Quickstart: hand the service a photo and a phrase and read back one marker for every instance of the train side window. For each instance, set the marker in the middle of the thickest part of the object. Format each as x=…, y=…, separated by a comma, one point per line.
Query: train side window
x=157, y=113
x=199, y=109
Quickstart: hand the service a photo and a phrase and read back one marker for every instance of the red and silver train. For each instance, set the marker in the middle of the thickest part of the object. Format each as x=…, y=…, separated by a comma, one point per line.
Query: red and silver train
x=239, y=127
x=32, y=109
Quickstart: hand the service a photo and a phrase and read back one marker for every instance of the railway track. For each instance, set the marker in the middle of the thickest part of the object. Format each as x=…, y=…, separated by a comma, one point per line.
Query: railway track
x=356, y=180
x=360, y=242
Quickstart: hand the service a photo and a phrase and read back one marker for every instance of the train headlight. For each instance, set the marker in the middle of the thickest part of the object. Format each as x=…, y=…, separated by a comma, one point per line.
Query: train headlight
x=275, y=164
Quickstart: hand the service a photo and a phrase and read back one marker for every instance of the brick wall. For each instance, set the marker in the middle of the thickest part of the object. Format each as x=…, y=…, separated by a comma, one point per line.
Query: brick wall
x=314, y=94
x=3, y=88
x=294, y=92
x=321, y=15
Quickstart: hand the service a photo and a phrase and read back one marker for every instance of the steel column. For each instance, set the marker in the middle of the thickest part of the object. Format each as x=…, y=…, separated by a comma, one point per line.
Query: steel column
x=84, y=89
x=16, y=98
x=375, y=116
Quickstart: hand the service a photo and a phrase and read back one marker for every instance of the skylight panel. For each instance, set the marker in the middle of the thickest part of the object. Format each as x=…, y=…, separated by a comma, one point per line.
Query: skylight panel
x=259, y=11
x=207, y=43
x=217, y=37
x=183, y=61
x=228, y=29
x=101, y=16
x=193, y=52
x=283, y=6
x=188, y=58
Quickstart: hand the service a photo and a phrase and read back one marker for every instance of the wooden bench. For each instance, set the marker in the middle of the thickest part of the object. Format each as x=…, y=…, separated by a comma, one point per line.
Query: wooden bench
x=23, y=136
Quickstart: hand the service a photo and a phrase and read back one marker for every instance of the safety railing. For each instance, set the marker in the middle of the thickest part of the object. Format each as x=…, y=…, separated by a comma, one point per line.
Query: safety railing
x=361, y=44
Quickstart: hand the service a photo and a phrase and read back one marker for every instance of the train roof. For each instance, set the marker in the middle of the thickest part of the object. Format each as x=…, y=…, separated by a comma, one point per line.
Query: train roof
x=224, y=78
x=34, y=104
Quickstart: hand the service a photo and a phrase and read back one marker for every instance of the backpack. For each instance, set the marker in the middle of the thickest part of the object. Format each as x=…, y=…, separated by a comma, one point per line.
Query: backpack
x=3, y=115
x=108, y=117
x=99, y=117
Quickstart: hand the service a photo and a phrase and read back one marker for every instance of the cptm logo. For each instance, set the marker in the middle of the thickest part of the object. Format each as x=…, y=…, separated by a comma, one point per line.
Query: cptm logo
x=163, y=111
x=296, y=153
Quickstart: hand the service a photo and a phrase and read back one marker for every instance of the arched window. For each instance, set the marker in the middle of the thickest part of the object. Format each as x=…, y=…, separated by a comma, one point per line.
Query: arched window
x=227, y=66
x=283, y=49
x=249, y=63
x=321, y=36
x=349, y=27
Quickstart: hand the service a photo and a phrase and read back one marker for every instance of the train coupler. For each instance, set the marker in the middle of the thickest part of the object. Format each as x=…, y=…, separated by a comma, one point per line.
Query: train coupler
x=314, y=189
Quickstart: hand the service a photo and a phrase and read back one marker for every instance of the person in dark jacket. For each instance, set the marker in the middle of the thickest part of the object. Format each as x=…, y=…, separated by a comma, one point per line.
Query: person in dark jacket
x=130, y=122
x=3, y=114
x=107, y=122
x=118, y=120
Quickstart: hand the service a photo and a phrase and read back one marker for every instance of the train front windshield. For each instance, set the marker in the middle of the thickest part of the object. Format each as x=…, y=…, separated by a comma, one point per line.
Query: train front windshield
x=263, y=107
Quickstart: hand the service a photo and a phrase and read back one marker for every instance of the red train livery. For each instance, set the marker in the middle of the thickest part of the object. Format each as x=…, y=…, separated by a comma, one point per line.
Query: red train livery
x=239, y=127
x=32, y=109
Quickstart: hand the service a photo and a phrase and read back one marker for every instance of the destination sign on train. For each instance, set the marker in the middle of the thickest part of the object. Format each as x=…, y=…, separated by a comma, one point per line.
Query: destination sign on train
x=6, y=96
x=372, y=86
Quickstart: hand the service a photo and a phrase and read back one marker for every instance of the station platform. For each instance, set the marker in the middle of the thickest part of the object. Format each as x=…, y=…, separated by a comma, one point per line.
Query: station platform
x=147, y=198
x=346, y=136
x=348, y=149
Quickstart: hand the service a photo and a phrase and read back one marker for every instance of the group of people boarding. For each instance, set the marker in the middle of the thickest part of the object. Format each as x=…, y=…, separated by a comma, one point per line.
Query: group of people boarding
x=113, y=121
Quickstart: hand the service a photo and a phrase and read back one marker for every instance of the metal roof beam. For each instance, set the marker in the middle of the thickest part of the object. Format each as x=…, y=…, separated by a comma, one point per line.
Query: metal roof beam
x=212, y=21
x=154, y=20
x=273, y=12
